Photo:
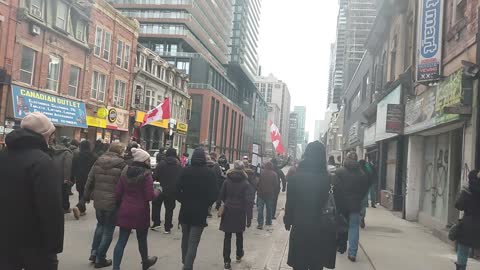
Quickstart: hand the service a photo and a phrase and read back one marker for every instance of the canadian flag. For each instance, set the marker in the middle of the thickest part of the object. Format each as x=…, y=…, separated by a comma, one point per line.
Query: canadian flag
x=161, y=112
x=276, y=138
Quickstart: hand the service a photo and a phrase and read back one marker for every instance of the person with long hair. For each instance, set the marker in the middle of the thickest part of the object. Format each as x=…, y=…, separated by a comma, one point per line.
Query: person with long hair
x=312, y=246
x=469, y=228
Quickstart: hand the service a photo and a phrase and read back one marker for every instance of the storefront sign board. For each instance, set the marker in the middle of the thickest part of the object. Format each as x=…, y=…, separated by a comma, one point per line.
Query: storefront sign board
x=117, y=119
x=393, y=97
x=96, y=122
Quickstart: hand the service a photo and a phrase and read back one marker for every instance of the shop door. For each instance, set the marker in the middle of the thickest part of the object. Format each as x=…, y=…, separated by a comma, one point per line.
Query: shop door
x=455, y=174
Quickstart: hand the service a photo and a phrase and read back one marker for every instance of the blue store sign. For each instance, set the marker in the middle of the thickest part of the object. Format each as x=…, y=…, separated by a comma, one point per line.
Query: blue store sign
x=61, y=111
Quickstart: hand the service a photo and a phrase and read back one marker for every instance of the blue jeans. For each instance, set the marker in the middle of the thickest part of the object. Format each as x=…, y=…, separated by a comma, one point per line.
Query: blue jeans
x=102, y=238
x=122, y=243
x=191, y=236
x=363, y=211
x=353, y=234
x=261, y=203
x=462, y=254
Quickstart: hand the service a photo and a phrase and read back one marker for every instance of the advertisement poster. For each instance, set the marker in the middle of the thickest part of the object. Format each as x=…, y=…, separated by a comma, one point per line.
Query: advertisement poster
x=395, y=114
x=61, y=111
x=393, y=97
x=429, y=47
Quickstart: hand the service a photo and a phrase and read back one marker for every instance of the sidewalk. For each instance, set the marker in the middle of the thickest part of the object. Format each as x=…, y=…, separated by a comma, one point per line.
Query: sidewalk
x=391, y=243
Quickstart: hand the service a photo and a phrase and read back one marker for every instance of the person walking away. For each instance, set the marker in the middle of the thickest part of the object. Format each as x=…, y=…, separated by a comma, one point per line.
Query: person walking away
x=253, y=181
x=351, y=187
x=73, y=146
x=98, y=150
x=468, y=234
x=134, y=192
x=128, y=157
x=167, y=172
x=81, y=166
x=196, y=191
x=217, y=169
x=312, y=245
x=62, y=160
x=236, y=198
x=267, y=186
x=31, y=237
x=100, y=187
x=332, y=165
x=278, y=170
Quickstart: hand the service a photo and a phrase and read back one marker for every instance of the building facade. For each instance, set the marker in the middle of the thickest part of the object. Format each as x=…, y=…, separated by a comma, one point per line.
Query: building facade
x=292, y=136
x=64, y=64
x=276, y=92
x=301, y=112
x=155, y=80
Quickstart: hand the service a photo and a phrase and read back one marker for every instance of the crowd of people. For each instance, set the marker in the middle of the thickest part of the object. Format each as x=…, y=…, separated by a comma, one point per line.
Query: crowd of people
x=325, y=208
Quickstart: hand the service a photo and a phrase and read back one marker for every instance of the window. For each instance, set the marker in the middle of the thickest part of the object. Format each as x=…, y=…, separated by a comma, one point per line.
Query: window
x=98, y=86
x=80, y=29
x=53, y=75
x=365, y=84
x=27, y=65
x=269, y=93
x=98, y=41
x=73, y=81
x=458, y=11
x=126, y=57
x=162, y=74
x=62, y=12
x=356, y=101
x=106, y=45
x=149, y=100
x=36, y=8
x=119, y=53
x=119, y=94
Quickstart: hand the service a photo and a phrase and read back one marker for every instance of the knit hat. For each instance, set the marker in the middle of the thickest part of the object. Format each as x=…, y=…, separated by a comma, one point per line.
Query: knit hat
x=140, y=155
x=38, y=123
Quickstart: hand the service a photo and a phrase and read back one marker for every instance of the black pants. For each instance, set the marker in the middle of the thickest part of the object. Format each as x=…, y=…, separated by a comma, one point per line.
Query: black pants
x=29, y=260
x=227, y=246
x=275, y=201
x=81, y=201
x=66, y=196
x=169, y=203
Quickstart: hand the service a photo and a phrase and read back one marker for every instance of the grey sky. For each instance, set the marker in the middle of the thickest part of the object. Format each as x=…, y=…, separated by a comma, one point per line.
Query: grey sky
x=295, y=38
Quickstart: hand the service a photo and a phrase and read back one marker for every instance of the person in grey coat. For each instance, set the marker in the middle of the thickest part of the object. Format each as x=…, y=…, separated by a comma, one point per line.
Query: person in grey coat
x=100, y=187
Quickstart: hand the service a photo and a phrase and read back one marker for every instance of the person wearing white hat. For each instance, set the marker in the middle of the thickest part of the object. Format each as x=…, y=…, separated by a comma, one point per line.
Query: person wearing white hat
x=30, y=198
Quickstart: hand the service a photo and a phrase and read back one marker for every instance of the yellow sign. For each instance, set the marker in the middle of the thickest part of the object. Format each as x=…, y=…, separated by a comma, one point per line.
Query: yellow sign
x=182, y=128
x=102, y=113
x=96, y=122
x=141, y=115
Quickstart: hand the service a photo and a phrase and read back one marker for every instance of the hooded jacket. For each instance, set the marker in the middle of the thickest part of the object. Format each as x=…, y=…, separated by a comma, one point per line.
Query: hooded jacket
x=62, y=160
x=196, y=191
x=168, y=172
x=269, y=183
x=351, y=186
x=469, y=202
x=134, y=191
x=235, y=194
x=30, y=196
x=102, y=180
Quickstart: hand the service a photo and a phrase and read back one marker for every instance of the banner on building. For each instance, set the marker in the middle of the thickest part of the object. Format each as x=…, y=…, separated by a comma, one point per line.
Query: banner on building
x=369, y=135
x=393, y=97
x=353, y=134
x=395, y=115
x=426, y=110
x=429, y=41
x=61, y=111
x=117, y=119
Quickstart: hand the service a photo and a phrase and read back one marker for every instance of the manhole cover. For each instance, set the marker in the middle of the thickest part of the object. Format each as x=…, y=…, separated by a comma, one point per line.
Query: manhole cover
x=383, y=229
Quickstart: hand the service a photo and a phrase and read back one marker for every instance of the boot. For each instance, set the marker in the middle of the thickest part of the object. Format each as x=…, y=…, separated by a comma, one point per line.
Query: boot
x=103, y=264
x=149, y=262
x=461, y=267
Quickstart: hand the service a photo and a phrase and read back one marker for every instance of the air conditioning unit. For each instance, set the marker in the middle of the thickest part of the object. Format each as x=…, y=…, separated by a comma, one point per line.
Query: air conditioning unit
x=35, y=29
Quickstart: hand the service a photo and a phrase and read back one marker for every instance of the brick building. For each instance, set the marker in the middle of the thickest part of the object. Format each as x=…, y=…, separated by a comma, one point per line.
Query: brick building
x=72, y=61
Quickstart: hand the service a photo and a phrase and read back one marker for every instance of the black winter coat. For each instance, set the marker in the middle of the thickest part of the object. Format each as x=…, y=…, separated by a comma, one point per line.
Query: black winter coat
x=81, y=165
x=168, y=172
x=196, y=191
x=310, y=246
x=30, y=196
x=351, y=187
x=236, y=195
x=469, y=201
